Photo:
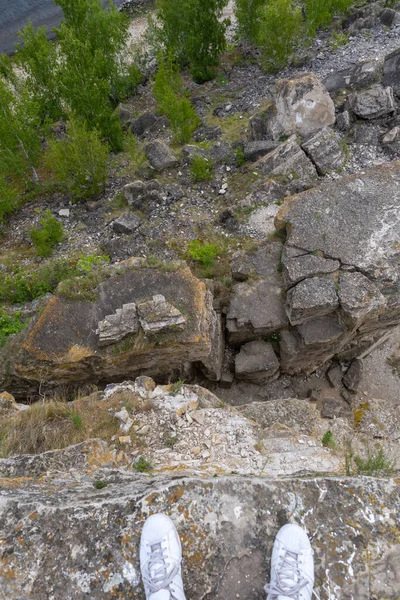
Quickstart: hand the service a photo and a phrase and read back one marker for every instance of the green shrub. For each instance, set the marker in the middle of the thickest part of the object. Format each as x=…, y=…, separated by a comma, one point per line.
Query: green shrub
x=205, y=254
x=8, y=200
x=21, y=286
x=49, y=234
x=87, y=263
x=328, y=440
x=9, y=324
x=375, y=464
x=142, y=465
x=76, y=420
x=136, y=155
x=319, y=13
x=281, y=33
x=168, y=93
x=79, y=162
x=194, y=32
x=200, y=168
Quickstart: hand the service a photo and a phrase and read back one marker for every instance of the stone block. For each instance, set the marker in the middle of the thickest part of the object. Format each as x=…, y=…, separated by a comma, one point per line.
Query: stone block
x=325, y=151
x=126, y=223
x=144, y=122
x=256, y=362
x=353, y=376
x=310, y=299
x=256, y=149
x=160, y=156
x=372, y=103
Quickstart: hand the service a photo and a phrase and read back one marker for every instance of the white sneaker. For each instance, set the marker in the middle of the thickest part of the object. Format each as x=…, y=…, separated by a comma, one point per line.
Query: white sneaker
x=292, y=566
x=160, y=559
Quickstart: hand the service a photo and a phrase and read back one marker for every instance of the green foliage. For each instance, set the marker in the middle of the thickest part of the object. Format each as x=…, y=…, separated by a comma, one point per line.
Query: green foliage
x=20, y=142
x=176, y=387
x=99, y=485
x=319, y=13
x=79, y=162
x=200, y=168
x=168, y=93
x=339, y=39
x=142, y=465
x=9, y=324
x=8, y=199
x=328, y=440
x=169, y=440
x=281, y=33
x=239, y=156
x=248, y=14
x=86, y=264
x=76, y=420
x=205, y=254
x=194, y=33
x=376, y=464
x=38, y=58
x=136, y=155
x=21, y=286
x=49, y=234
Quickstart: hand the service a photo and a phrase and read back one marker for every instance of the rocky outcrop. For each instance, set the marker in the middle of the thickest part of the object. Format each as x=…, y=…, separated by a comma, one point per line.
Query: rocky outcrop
x=145, y=320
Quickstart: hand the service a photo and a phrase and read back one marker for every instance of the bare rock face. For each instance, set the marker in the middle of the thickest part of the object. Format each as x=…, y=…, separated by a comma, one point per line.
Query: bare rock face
x=303, y=105
x=341, y=267
x=144, y=321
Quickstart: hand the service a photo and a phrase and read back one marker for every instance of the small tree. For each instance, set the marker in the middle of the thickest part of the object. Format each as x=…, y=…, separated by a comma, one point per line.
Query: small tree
x=168, y=93
x=194, y=33
x=38, y=58
x=79, y=161
x=248, y=15
x=20, y=141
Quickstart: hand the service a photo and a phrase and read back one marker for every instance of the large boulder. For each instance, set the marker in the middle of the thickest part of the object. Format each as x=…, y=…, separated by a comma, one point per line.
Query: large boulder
x=143, y=321
x=303, y=105
x=256, y=362
x=360, y=76
x=325, y=150
x=372, y=103
x=160, y=156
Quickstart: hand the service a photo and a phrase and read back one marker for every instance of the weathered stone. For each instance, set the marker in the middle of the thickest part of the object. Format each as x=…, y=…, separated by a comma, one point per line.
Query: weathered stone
x=115, y=327
x=360, y=76
x=258, y=148
x=212, y=365
x=303, y=105
x=269, y=192
x=124, y=113
x=343, y=121
x=125, y=420
x=190, y=151
x=289, y=161
x=312, y=298
x=325, y=151
x=144, y=122
x=359, y=298
x=389, y=17
x=126, y=223
x=353, y=376
x=62, y=348
x=324, y=332
x=391, y=71
x=256, y=362
x=365, y=133
x=331, y=408
x=157, y=314
x=298, y=266
x=207, y=133
x=391, y=140
x=264, y=126
x=262, y=220
x=376, y=101
x=132, y=191
x=256, y=308
x=335, y=376
x=160, y=155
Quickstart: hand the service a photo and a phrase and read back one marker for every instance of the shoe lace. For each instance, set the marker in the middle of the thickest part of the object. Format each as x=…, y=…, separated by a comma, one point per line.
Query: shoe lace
x=158, y=575
x=289, y=581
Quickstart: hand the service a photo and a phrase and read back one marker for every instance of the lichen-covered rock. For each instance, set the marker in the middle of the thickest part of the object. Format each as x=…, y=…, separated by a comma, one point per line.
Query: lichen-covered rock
x=376, y=101
x=63, y=348
x=303, y=105
x=298, y=265
x=226, y=525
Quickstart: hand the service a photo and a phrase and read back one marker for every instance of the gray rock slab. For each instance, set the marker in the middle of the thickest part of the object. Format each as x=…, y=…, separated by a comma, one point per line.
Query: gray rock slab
x=325, y=331
x=353, y=376
x=264, y=125
x=376, y=101
x=299, y=415
x=227, y=534
x=160, y=156
x=303, y=105
x=325, y=150
x=360, y=76
x=256, y=362
x=117, y=326
x=354, y=220
x=144, y=122
x=310, y=299
x=126, y=223
x=258, y=148
x=296, y=268
x=391, y=71
x=360, y=298
x=331, y=408
x=289, y=161
x=157, y=314
x=256, y=307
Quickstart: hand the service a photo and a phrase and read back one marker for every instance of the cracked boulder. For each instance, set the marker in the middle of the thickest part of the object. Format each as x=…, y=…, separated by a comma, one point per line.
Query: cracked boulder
x=303, y=105
x=372, y=103
x=143, y=321
x=325, y=151
x=310, y=299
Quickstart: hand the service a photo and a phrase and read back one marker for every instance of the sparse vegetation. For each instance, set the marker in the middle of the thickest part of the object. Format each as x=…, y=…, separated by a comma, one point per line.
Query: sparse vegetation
x=142, y=465
x=176, y=387
x=47, y=235
x=375, y=464
x=200, y=168
x=99, y=485
x=328, y=440
x=9, y=324
x=203, y=253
